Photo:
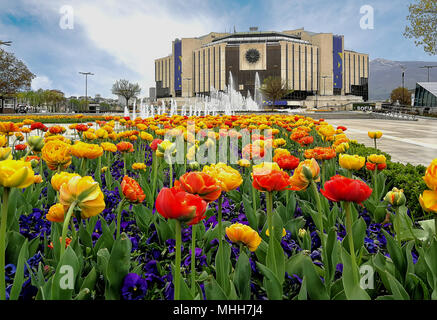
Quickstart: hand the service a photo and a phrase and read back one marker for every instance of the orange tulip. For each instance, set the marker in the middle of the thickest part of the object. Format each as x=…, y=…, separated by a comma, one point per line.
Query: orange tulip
x=201, y=184
x=132, y=190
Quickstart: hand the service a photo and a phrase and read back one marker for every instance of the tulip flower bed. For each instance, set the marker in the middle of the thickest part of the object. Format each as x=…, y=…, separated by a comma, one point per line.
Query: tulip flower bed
x=55, y=118
x=259, y=207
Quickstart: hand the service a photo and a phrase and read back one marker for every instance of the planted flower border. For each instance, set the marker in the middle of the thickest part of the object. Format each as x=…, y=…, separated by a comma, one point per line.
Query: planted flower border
x=109, y=214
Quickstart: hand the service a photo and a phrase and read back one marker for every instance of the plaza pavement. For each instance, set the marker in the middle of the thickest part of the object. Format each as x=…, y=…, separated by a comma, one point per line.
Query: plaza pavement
x=406, y=141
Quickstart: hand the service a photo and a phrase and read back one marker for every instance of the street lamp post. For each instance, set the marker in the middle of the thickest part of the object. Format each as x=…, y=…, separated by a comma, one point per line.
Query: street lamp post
x=86, y=74
x=403, y=83
x=428, y=67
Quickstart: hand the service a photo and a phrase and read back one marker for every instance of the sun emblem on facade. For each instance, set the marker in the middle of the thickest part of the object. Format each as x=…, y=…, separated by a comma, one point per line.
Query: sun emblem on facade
x=252, y=55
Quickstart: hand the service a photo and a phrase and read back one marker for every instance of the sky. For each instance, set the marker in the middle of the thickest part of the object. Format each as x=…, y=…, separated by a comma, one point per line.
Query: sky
x=119, y=39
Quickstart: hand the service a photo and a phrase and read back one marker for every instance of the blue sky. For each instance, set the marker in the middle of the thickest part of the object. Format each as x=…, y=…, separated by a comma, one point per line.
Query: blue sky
x=118, y=39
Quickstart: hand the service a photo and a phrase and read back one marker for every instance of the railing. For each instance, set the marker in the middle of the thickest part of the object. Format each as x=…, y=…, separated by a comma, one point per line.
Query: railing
x=396, y=113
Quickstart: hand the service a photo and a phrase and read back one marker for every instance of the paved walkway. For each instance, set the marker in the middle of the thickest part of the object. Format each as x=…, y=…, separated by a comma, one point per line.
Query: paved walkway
x=406, y=141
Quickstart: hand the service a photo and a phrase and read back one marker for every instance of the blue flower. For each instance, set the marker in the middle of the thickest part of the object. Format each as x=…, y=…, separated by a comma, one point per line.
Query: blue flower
x=134, y=287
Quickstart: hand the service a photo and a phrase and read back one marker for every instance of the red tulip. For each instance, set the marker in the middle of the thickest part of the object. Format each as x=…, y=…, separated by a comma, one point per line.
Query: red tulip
x=371, y=166
x=132, y=190
x=275, y=180
x=154, y=144
x=306, y=140
x=201, y=184
x=288, y=162
x=340, y=188
x=125, y=147
x=174, y=203
x=20, y=147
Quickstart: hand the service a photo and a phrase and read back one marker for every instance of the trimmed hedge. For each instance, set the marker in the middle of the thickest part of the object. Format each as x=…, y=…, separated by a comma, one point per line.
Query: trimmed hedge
x=402, y=176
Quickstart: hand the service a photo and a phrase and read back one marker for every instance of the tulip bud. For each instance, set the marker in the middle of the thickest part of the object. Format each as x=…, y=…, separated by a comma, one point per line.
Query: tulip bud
x=35, y=143
x=307, y=173
x=302, y=233
x=194, y=165
x=5, y=153
x=396, y=197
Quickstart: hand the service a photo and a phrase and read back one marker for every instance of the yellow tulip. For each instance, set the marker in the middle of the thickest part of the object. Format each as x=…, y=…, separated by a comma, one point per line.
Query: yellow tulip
x=56, y=154
x=59, y=179
x=146, y=136
x=351, y=162
x=240, y=233
x=342, y=147
x=86, y=193
x=108, y=146
x=16, y=174
x=139, y=166
x=86, y=150
x=244, y=163
x=101, y=133
x=5, y=154
x=3, y=140
x=306, y=172
x=164, y=146
x=283, y=232
x=56, y=213
x=431, y=175
x=36, y=143
x=374, y=134
x=428, y=201
x=377, y=158
x=265, y=168
x=227, y=177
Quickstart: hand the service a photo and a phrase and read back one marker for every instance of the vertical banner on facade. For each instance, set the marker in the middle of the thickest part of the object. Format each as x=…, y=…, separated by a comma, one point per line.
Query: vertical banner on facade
x=177, y=65
x=337, y=48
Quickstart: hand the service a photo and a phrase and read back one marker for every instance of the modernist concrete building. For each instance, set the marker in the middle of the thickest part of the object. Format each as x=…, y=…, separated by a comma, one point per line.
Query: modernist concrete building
x=312, y=64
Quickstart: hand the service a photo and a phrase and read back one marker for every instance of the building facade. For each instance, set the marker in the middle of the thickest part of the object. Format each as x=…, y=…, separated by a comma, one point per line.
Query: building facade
x=309, y=63
x=426, y=95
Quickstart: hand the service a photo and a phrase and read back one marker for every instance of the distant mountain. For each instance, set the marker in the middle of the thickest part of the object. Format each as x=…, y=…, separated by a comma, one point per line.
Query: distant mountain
x=386, y=75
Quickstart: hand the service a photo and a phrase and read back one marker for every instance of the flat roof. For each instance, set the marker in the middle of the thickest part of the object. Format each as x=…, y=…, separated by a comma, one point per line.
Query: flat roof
x=430, y=86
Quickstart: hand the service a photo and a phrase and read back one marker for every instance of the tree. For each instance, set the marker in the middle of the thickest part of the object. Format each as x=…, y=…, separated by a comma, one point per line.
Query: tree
x=402, y=95
x=423, y=28
x=126, y=89
x=14, y=75
x=274, y=88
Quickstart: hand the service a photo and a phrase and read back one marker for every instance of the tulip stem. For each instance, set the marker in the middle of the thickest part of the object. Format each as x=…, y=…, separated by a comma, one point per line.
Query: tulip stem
x=83, y=166
x=374, y=140
x=193, y=260
x=375, y=183
x=41, y=172
x=4, y=216
x=155, y=173
x=98, y=173
x=319, y=207
x=269, y=201
x=219, y=221
x=65, y=228
x=177, y=271
x=347, y=205
x=435, y=225
x=170, y=172
x=120, y=208
x=124, y=163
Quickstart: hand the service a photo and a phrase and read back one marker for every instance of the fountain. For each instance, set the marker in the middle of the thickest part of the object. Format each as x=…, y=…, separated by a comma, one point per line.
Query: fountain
x=134, y=115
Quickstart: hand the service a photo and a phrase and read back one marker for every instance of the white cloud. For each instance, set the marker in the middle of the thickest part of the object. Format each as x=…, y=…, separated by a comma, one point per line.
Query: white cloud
x=137, y=32
x=42, y=82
